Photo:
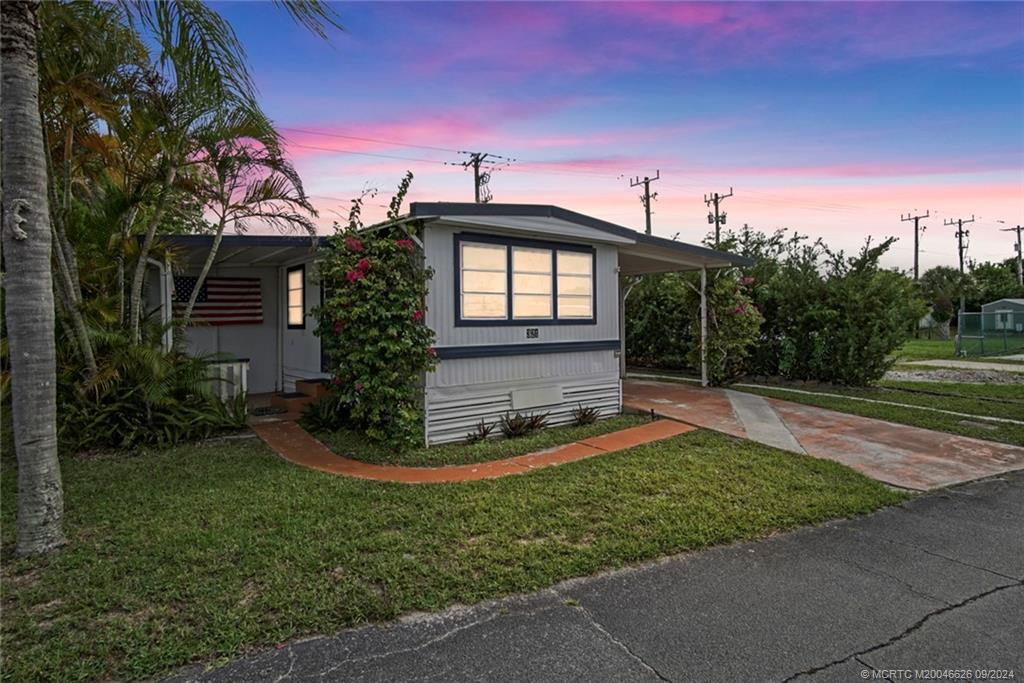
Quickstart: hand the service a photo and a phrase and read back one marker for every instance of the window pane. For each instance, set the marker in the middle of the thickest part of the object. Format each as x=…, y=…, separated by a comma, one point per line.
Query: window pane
x=484, y=306
x=483, y=257
x=294, y=280
x=525, y=260
x=574, y=284
x=483, y=281
x=575, y=306
x=531, y=284
x=575, y=263
x=531, y=306
x=295, y=316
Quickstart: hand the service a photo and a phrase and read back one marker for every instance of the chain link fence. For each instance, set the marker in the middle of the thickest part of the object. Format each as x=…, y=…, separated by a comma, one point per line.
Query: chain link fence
x=990, y=334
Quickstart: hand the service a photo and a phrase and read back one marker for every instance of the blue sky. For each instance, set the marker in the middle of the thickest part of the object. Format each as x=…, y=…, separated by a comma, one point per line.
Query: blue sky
x=828, y=118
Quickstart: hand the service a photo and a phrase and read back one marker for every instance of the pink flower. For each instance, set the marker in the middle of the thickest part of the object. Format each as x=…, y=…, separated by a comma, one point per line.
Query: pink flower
x=747, y=280
x=740, y=309
x=338, y=327
x=353, y=244
x=432, y=352
x=337, y=381
x=364, y=264
x=354, y=275
x=417, y=316
x=406, y=244
x=359, y=387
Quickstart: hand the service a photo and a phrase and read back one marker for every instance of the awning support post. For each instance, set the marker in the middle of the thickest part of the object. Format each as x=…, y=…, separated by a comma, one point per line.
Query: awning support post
x=703, y=327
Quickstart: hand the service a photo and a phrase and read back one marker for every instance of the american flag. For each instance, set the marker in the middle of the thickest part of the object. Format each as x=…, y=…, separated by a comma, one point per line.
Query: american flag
x=221, y=300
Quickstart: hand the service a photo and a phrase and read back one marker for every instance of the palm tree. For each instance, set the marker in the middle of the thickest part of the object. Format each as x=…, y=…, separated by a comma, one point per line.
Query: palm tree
x=247, y=178
x=28, y=286
x=199, y=53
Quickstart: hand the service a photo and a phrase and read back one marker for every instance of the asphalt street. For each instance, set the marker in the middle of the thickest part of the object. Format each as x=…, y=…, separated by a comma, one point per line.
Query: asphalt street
x=933, y=585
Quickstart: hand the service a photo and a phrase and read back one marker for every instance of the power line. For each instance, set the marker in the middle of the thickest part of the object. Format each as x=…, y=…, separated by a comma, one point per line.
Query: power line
x=376, y=140
x=917, y=229
x=371, y=154
x=646, y=198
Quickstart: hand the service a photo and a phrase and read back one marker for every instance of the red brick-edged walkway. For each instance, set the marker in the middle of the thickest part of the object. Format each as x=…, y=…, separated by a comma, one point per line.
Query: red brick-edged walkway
x=296, y=445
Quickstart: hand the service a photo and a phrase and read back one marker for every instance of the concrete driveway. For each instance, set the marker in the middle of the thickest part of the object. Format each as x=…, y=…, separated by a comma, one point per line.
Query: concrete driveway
x=900, y=455
x=937, y=583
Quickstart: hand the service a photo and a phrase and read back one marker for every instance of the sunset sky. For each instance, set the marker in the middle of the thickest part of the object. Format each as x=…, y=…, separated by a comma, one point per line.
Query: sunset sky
x=831, y=118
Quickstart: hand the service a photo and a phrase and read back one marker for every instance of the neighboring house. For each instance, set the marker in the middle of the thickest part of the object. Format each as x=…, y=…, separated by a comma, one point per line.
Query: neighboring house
x=1004, y=314
x=526, y=302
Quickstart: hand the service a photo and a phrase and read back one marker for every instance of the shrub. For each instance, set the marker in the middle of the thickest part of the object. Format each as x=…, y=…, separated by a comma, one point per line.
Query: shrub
x=141, y=396
x=480, y=433
x=585, y=416
x=327, y=414
x=522, y=425
x=373, y=328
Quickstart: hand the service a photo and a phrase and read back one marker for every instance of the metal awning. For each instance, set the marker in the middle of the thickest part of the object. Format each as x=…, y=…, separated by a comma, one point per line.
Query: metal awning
x=240, y=250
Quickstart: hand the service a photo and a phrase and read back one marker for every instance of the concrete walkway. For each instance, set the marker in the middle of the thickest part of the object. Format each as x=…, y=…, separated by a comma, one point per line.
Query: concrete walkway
x=900, y=455
x=969, y=364
x=295, y=444
x=937, y=583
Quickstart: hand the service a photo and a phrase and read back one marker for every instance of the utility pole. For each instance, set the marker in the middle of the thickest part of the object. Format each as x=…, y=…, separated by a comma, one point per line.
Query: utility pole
x=646, y=198
x=717, y=218
x=917, y=230
x=1020, y=256
x=479, y=179
x=962, y=250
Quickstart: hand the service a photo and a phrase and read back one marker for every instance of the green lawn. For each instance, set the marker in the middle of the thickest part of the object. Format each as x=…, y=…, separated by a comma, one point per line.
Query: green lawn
x=937, y=349
x=993, y=400
x=926, y=349
x=203, y=552
x=354, y=445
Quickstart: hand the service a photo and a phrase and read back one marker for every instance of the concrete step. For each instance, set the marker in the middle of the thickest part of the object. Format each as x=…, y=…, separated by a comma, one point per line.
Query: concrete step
x=317, y=388
x=292, y=401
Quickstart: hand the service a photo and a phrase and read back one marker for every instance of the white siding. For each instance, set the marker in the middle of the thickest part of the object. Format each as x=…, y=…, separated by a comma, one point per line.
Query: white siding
x=440, y=255
x=461, y=392
x=258, y=343
x=301, y=347
x=590, y=379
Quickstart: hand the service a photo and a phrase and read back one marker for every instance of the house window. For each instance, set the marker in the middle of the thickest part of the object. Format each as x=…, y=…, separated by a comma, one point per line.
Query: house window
x=531, y=283
x=510, y=281
x=575, y=285
x=484, y=281
x=296, y=282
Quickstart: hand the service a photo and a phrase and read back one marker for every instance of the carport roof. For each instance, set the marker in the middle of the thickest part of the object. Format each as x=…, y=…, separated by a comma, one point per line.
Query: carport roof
x=638, y=252
x=242, y=250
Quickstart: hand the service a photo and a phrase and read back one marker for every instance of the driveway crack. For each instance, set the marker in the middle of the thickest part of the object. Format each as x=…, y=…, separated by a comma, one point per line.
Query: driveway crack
x=855, y=656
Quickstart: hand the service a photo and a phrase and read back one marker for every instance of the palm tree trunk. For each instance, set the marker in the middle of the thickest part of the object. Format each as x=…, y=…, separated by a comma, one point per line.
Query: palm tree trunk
x=207, y=265
x=135, y=298
x=28, y=285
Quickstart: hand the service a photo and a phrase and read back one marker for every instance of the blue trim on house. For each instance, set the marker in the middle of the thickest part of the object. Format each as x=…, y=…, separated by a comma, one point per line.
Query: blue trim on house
x=502, y=240
x=427, y=209
x=527, y=349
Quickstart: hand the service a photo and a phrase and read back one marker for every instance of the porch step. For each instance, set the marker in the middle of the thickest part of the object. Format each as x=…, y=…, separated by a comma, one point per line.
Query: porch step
x=317, y=388
x=291, y=401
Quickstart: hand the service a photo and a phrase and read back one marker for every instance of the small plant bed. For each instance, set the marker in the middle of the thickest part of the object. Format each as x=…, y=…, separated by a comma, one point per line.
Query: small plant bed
x=202, y=552
x=352, y=444
x=999, y=401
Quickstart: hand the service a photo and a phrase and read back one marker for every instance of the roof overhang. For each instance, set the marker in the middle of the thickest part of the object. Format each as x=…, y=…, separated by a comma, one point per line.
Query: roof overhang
x=240, y=250
x=639, y=253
